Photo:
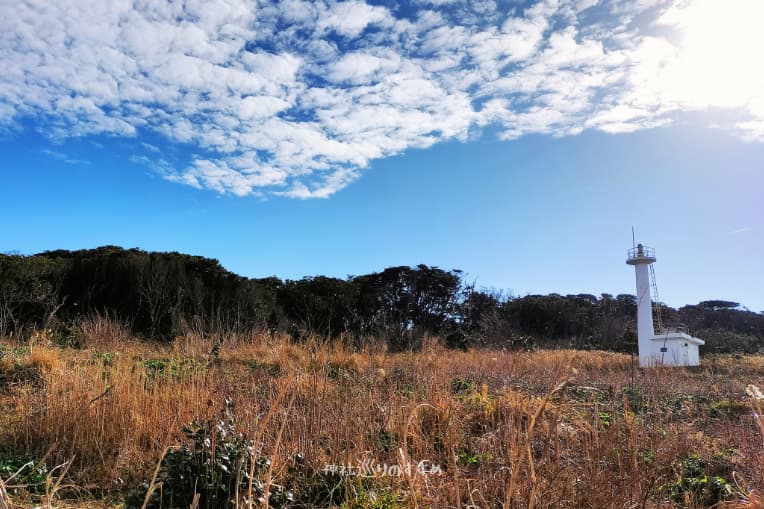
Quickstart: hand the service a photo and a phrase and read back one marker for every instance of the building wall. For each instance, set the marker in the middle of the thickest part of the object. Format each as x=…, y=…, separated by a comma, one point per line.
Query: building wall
x=678, y=352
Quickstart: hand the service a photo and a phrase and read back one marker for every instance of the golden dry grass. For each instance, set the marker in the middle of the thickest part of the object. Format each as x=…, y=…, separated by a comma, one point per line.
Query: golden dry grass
x=609, y=435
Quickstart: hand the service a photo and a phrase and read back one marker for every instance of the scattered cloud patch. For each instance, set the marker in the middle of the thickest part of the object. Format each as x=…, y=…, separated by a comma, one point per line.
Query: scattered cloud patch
x=64, y=157
x=295, y=98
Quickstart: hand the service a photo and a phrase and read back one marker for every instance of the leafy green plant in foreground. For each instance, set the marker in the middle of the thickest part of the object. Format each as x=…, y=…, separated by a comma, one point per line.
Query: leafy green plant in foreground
x=214, y=466
x=695, y=483
x=23, y=472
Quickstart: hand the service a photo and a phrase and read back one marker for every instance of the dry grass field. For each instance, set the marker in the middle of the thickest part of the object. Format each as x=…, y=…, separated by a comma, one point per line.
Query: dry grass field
x=322, y=426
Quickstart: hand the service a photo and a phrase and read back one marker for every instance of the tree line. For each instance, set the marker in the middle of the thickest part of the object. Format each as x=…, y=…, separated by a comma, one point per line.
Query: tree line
x=163, y=295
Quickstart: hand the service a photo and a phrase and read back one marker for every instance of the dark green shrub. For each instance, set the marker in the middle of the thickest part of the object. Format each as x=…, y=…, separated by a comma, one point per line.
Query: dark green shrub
x=216, y=465
x=31, y=475
x=698, y=483
x=463, y=385
x=171, y=369
x=459, y=340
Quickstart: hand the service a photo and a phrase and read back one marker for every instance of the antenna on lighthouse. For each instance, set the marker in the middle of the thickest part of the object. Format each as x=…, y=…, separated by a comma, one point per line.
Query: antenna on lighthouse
x=633, y=238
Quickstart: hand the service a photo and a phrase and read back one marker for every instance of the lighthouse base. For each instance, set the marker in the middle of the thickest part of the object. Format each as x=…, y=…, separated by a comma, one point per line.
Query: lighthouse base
x=670, y=348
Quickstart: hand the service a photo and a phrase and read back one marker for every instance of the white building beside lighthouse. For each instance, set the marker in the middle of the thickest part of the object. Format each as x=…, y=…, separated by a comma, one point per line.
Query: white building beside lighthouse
x=662, y=347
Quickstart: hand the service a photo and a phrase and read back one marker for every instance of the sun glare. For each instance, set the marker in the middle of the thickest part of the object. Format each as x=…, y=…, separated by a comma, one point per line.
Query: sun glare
x=720, y=58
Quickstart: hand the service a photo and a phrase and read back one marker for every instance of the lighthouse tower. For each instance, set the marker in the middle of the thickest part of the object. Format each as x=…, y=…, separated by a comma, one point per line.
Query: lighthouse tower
x=664, y=347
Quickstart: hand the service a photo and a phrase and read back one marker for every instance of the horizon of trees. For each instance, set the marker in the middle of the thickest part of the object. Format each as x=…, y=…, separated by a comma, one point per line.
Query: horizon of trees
x=163, y=295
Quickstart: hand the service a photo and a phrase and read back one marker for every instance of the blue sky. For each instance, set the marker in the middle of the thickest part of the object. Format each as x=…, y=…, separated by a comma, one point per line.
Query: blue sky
x=516, y=141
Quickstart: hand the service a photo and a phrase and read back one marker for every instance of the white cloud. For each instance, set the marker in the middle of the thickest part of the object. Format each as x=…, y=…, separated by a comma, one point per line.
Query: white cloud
x=351, y=17
x=296, y=98
x=438, y=3
x=582, y=5
x=360, y=67
x=752, y=130
x=253, y=107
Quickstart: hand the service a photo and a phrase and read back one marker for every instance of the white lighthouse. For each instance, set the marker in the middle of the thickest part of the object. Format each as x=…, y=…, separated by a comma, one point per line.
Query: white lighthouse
x=662, y=347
